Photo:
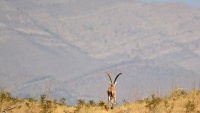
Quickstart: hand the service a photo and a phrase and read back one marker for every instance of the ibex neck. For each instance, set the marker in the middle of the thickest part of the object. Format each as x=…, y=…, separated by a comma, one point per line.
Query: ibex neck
x=112, y=87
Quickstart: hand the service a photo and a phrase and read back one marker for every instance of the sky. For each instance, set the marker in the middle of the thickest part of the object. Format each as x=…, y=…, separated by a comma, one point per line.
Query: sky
x=194, y=3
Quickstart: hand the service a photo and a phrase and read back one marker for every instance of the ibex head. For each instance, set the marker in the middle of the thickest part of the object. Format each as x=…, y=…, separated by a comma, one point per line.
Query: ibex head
x=111, y=82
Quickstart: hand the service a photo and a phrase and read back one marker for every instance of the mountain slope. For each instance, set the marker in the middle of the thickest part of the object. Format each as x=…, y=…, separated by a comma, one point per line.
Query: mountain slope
x=63, y=48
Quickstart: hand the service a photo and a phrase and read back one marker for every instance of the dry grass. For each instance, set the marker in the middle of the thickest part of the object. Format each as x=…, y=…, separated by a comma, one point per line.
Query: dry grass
x=178, y=102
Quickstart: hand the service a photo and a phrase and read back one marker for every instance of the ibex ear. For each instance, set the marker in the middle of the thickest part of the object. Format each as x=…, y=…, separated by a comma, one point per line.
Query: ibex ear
x=110, y=82
x=115, y=83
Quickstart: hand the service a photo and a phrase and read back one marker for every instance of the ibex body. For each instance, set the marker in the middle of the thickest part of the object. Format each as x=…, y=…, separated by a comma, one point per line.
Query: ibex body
x=111, y=90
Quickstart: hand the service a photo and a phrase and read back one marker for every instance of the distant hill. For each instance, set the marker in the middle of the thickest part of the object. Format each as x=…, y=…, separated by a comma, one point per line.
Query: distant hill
x=62, y=48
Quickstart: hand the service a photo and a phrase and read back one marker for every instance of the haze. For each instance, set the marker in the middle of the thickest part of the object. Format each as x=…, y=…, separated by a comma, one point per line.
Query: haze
x=62, y=48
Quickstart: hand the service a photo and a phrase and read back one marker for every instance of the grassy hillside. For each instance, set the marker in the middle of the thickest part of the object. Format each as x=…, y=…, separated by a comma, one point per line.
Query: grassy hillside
x=178, y=101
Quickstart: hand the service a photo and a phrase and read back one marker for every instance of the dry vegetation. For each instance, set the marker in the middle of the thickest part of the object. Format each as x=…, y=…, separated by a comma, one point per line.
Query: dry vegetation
x=178, y=102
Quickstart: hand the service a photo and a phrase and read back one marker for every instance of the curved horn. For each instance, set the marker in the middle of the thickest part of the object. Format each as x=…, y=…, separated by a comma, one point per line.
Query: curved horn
x=117, y=77
x=109, y=76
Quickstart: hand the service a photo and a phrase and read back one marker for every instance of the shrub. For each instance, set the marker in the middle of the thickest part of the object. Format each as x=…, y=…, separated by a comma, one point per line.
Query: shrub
x=101, y=103
x=152, y=103
x=5, y=96
x=91, y=102
x=47, y=105
x=62, y=101
x=81, y=102
x=42, y=98
x=178, y=92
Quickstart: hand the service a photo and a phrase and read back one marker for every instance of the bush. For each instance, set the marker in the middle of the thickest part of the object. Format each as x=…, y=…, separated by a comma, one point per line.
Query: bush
x=91, y=103
x=5, y=96
x=62, y=102
x=47, y=105
x=152, y=103
x=101, y=103
x=81, y=102
x=178, y=92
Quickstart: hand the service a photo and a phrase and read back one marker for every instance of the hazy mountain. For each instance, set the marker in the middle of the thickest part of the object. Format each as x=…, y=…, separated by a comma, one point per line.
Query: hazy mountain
x=62, y=48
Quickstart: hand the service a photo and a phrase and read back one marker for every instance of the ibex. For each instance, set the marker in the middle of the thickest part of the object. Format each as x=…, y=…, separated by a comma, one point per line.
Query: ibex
x=111, y=90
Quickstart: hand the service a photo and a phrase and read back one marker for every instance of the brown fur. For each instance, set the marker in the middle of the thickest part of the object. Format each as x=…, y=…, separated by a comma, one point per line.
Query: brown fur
x=111, y=90
x=111, y=95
